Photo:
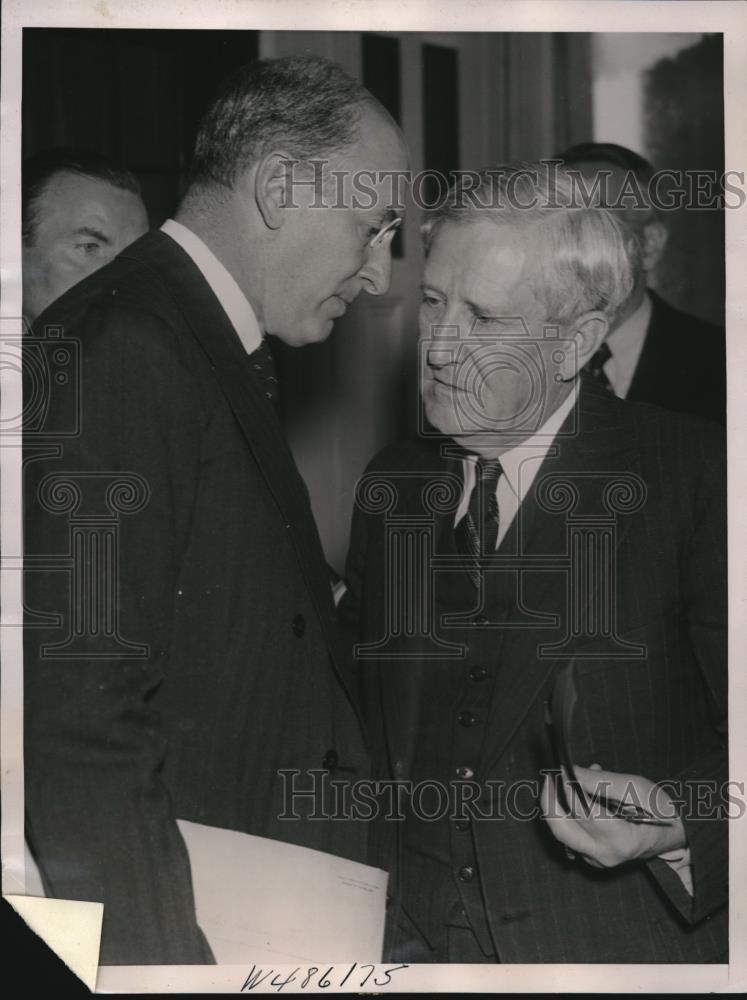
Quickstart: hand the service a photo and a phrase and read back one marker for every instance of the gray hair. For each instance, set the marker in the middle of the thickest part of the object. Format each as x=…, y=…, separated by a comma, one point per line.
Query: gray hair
x=306, y=105
x=586, y=257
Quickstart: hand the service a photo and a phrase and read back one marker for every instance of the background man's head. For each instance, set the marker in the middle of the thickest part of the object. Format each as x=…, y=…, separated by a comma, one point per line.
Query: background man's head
x=518, y=292
x=79, y=210
x=627, y=177
x=296, y=236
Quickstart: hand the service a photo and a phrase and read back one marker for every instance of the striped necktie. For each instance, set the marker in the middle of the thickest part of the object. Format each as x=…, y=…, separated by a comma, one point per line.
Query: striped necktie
x=264, y=368
x=477, y=532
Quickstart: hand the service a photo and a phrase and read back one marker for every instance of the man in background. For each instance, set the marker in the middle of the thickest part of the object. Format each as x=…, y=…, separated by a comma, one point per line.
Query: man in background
x=79, y=210
x=653, y=353
x=197, y=653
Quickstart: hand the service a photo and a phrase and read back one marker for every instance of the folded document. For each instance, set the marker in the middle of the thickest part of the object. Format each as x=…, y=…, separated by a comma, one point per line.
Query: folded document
x=259, y=898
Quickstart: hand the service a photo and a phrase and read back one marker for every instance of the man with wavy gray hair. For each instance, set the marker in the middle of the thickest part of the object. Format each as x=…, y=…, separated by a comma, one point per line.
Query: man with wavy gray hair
x=538, y=590
x=186, y=660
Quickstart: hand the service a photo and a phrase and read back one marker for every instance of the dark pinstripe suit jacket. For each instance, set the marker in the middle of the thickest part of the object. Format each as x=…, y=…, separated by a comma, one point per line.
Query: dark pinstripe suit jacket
x=221, y=578
x=661, y=714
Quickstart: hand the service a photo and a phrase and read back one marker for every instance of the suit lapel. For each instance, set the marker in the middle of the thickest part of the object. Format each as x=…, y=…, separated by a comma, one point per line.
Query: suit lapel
x=600, y=447
x=255, y=415
x=403, y=679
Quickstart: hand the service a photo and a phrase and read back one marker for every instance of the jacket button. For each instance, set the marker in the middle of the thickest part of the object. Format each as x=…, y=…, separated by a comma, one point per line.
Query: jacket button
x=463, y=824
x=466, y=873
x=331, y=760
x=478, y=674
x=464, y=772
x=298, y=625
x=466, y=719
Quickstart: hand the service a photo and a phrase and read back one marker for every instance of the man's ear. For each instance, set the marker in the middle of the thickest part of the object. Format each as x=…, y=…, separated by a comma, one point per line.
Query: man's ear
x=654, y=242
x=270, y=187
x=585, y=335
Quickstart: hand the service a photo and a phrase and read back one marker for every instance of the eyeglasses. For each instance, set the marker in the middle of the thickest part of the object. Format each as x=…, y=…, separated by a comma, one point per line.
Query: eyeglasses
x=386, y=234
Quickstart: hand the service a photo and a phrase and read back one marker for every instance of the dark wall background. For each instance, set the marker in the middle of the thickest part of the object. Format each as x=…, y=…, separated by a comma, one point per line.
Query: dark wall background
x=136, y=96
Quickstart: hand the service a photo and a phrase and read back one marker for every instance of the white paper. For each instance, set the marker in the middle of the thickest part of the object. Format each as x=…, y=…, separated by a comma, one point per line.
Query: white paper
x=260, y=898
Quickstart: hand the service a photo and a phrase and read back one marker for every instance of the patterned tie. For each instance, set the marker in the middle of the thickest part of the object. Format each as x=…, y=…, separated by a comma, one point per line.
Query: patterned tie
x=263, y=364
x=477, y=532
x=595, y=365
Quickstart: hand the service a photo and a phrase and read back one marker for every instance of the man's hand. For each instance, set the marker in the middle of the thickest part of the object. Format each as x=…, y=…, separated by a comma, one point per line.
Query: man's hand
x=601, y=839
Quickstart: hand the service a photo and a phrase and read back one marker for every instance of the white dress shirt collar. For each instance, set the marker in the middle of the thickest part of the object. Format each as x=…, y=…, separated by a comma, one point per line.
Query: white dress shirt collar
x=626, y=344
x=536, y=448
x=235, y=304
x=520, y=466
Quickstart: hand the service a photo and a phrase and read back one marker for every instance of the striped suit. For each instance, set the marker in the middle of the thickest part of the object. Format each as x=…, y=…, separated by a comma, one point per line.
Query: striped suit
x=649, y=486
x=224, y=665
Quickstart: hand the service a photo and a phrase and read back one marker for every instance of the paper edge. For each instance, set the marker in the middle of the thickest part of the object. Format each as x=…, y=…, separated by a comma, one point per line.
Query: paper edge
x=70, y=928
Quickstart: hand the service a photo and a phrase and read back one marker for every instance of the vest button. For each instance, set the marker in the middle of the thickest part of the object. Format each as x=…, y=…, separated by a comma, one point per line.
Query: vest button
x=478, y=674
x=466, y=719
x=298, y=625
x=464, y=772
x=466, y=873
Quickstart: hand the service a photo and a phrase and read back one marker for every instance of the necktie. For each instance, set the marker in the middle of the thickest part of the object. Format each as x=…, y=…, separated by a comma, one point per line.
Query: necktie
x=595, y=365
x=263, y=365
x=477, y=532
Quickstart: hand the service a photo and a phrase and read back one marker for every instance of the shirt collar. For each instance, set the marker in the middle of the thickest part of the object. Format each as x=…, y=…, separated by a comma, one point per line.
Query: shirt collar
x=235, y=304
x=626, y=341
x=518, y=472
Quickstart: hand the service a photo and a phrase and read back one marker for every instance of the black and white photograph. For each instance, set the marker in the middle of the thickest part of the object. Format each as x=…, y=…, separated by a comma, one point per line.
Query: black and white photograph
x=372, y=582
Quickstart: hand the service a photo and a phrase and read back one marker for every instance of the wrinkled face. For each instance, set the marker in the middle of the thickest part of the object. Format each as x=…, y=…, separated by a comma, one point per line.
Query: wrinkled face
x=323, y=259
x=81, y=224
x=489, y=373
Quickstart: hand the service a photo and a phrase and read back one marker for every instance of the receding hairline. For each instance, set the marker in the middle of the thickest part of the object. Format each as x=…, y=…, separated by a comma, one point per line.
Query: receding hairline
x=202, y=188
x=305, y=106
x=46, y=193
x=68, y=172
